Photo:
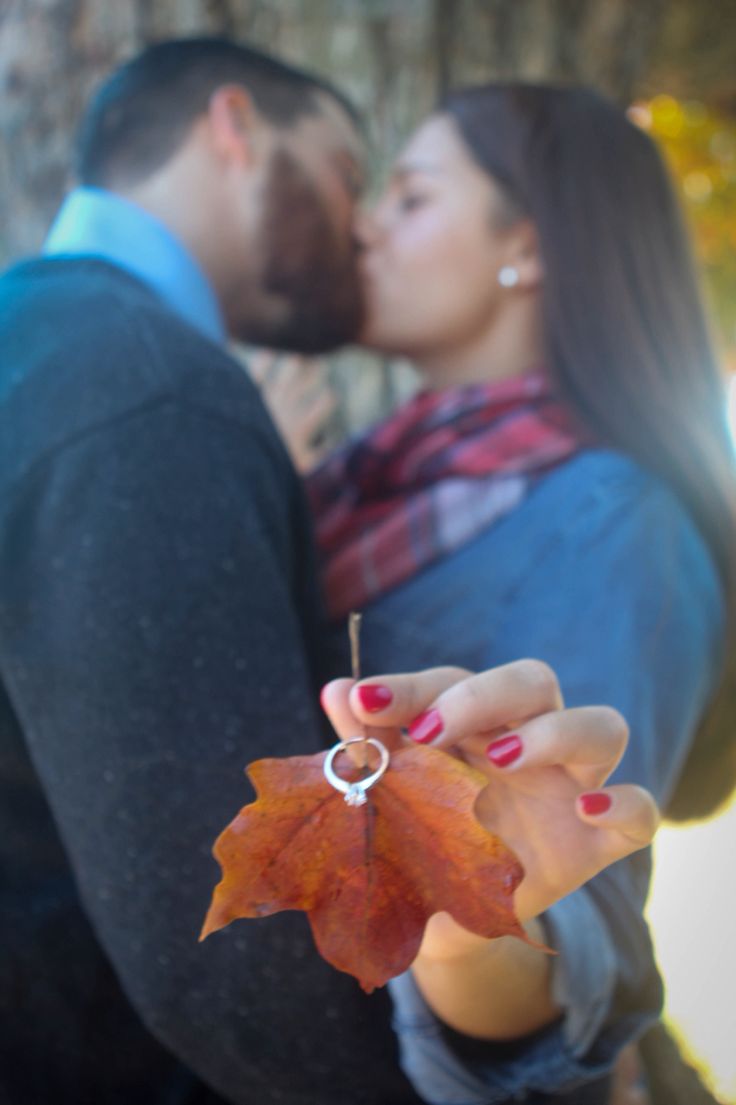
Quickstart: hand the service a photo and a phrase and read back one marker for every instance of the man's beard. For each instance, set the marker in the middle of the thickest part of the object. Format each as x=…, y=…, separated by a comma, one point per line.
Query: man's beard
x=306, y=272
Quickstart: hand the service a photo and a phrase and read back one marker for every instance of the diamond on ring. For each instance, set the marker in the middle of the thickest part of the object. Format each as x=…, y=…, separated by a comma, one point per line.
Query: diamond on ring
x=354, y=793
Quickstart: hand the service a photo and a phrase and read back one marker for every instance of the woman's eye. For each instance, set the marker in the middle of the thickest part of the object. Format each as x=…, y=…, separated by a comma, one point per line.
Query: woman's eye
x=411, y=201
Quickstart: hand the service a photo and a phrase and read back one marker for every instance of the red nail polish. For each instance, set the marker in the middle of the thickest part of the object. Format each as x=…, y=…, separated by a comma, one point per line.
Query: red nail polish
x=374, y=697
x=595, y=803
x=504, y=750
x=426, y=726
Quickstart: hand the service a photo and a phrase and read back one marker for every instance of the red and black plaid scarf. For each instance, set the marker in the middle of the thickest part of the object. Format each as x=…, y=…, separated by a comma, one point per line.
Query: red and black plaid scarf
x=430, y=478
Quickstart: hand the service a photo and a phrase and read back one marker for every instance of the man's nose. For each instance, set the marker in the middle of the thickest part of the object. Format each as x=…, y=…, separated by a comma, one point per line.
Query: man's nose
x=365, y=229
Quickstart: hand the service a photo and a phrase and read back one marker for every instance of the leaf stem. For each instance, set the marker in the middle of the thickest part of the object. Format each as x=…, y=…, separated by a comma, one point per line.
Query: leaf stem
x=354, y=631
x=360, y=756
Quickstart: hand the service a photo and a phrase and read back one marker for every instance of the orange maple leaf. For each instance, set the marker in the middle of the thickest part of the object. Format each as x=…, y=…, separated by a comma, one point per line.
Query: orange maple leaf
x=369, y=877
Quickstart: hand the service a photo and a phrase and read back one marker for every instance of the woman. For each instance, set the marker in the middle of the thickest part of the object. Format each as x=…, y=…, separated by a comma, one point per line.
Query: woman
x=563, y=488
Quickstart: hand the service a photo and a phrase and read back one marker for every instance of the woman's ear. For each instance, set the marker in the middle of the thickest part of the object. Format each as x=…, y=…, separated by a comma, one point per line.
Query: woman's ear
x=233, y=123
x=524, y=255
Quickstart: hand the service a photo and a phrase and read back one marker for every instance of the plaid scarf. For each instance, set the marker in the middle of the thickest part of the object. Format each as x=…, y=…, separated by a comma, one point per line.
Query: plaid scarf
x=430, y=478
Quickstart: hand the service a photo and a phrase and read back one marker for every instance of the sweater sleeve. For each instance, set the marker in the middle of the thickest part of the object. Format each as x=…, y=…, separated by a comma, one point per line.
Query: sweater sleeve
x=624, y=603
x=152, y=648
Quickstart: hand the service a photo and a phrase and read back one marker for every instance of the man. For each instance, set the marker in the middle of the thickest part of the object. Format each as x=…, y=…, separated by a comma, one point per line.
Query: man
x=158, y=594
x=159, y=617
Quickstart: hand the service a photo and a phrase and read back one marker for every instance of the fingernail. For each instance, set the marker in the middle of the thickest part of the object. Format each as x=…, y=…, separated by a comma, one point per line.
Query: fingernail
x=374, y=697
x=504, y=750
x=595, y=803
x=426, y=726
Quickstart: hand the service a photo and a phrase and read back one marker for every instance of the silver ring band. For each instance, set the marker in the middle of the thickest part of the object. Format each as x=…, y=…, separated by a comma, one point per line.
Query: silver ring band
x=355, y=792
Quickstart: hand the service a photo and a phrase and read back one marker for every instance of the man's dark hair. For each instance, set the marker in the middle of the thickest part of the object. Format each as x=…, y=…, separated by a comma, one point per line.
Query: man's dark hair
x=143, y=111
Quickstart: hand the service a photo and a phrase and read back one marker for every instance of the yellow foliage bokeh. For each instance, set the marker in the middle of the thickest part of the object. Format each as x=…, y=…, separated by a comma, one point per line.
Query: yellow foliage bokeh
x=699, y=146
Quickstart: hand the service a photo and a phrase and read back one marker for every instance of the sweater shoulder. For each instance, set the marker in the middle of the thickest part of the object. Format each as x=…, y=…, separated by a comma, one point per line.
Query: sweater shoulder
x=602, y=498
x=601, y=476
x=86, y=345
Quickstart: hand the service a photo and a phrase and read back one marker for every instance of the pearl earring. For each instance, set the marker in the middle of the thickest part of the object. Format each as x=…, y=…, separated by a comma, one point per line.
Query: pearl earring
x=508, y=276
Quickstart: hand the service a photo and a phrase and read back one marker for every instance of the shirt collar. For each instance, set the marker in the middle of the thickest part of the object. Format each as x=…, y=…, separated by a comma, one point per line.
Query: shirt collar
x=95, y=222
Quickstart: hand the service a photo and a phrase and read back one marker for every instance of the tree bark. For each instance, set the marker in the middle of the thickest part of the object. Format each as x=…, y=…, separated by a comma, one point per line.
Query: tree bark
x=394, y=56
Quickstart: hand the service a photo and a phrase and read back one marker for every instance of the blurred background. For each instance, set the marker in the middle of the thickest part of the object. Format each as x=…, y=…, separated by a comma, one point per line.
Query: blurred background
x=671, y=63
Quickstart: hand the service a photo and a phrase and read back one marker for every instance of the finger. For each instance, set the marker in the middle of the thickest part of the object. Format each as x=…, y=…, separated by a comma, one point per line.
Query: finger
x=445, y=706
x=335, y=700
x=321, y=408
x=306, y=387
x=395, y=700
x=260, y=364
x=294, y=385
x=588, y=742
x=291, y=371
x=312, y=457
x=283, y=381
x=626, y=816
x=289, y=375
x=312, y=370
x=305, y=433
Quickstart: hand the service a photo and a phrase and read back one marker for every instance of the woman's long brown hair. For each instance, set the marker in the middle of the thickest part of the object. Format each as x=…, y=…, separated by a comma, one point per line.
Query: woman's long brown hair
x=627, y=337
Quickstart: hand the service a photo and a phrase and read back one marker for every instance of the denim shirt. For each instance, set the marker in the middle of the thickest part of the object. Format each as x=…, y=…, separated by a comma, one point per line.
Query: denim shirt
x=601, y=573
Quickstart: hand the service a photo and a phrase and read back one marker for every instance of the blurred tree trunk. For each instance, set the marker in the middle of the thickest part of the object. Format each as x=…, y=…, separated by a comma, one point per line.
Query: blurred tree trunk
x=393, y=56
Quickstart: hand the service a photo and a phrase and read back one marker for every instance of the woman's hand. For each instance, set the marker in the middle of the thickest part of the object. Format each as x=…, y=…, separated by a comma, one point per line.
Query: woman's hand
x=300, y=399
x=546, y=768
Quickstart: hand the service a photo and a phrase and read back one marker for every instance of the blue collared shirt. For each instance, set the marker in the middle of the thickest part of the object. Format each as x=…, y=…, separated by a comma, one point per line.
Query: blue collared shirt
x=93, y=222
